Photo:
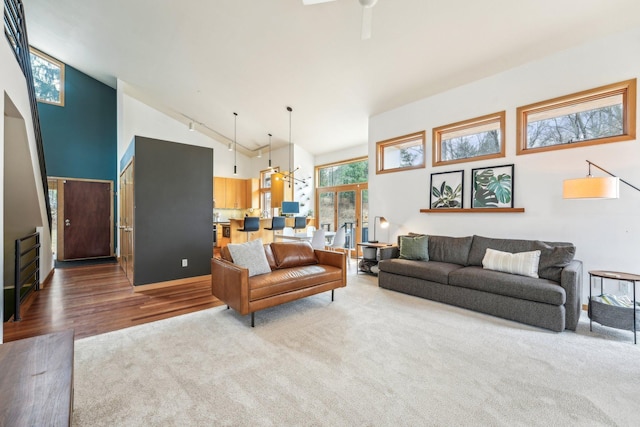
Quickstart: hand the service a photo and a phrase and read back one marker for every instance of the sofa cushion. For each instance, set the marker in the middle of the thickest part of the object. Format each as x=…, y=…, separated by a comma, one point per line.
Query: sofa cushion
x=225, y=255
x=414, y=247
x=521, y=263
x=480, y=244
x=553, y=258
x=433, y=271
x=496, y=282
x=250, y=255
x=293, y=254
x=291, y=279
x=453, y=250
x=270, y=257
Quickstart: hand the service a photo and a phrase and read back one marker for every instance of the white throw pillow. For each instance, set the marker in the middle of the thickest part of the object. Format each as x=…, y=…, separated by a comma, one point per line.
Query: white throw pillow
x=522, y=263
x=250, y=255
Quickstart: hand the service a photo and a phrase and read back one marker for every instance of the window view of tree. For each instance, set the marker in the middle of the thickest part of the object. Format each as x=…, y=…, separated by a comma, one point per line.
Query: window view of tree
x=347, y=173
x=48, y=78
x=595, y=116
x=404, y=152
x=581, y=126
x=475, y=145
x=411, y=156
x=469, y=140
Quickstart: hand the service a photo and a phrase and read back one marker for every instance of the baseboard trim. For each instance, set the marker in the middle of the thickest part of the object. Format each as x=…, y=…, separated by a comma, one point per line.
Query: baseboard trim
x=47, y=279
x=177, y=282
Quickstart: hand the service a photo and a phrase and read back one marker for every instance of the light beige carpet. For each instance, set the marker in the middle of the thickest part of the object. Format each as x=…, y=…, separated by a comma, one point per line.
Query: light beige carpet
x=370, y=358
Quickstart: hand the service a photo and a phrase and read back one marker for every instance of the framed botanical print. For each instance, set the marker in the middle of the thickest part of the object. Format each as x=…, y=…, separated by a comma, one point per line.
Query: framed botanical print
x=446, y=190
x=492, y=187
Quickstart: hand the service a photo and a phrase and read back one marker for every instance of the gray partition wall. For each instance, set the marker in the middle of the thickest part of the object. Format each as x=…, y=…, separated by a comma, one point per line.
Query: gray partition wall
x=173, y=194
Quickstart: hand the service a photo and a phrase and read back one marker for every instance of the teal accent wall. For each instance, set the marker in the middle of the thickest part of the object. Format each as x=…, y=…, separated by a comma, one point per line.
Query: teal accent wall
x=80, y=139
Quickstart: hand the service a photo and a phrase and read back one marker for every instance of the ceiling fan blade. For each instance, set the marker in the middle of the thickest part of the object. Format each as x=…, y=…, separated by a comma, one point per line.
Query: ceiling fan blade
x=308, y=2
x=367, y=20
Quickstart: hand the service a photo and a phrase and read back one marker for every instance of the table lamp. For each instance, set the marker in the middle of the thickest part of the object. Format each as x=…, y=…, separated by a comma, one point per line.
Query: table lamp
x=383, y=224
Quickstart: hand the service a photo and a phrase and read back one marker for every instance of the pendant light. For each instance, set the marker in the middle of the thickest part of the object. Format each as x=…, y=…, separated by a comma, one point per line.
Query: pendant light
x=235, y=144
x=269, y=151
x=290, y=110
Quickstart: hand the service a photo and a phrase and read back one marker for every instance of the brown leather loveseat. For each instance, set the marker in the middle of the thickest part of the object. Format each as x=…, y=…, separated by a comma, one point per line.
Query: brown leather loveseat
x=297, y=271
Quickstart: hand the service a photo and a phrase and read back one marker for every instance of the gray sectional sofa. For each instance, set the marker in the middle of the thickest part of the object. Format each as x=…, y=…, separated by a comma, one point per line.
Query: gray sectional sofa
x=454, y=274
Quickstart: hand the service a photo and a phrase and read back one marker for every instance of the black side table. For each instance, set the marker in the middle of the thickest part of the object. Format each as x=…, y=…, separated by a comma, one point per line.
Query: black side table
x=610, y=315
x=372, y=253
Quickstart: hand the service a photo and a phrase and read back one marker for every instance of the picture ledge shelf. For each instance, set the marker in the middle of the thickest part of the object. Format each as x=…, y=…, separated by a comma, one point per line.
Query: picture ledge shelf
x=473, y=210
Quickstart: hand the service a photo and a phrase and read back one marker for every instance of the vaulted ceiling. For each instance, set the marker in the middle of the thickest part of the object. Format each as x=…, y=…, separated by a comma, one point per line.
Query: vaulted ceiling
x=206, y=59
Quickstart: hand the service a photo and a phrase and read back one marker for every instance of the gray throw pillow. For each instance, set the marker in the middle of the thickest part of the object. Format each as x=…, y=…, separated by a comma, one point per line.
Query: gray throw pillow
x=250, y=255
x=414, y=247
x=553, y=258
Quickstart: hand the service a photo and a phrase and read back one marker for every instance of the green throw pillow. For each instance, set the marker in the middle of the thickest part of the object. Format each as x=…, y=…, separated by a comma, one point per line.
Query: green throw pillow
x=414, y=247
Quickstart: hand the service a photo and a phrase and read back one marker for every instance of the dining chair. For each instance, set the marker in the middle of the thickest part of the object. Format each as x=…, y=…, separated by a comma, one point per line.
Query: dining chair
x=310, y=230
x=318, y=239
x=288, y=231
x=339, y=242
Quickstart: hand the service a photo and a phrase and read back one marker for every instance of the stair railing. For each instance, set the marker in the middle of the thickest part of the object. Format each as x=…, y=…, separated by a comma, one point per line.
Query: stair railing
x=27, y=270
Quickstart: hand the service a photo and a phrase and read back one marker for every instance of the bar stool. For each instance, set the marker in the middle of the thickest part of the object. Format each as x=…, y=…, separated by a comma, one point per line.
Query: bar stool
x=277, y=223
x=251, y=224
x=300, y=223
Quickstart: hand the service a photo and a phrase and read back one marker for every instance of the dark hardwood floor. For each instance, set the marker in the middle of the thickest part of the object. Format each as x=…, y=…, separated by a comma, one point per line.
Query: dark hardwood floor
x=96, y=299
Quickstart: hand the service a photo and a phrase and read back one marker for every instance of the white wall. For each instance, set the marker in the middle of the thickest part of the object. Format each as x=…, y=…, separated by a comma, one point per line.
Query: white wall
x=605, y=231
x=340, y=155
x=304, y=190
x=135, y=118
x=13, y=87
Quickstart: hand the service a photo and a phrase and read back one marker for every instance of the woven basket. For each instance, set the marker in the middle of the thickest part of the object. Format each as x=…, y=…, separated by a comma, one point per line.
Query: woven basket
x=613, y=316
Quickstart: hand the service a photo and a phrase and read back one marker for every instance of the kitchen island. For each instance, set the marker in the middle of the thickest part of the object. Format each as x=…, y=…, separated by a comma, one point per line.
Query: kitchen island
x=265, y=235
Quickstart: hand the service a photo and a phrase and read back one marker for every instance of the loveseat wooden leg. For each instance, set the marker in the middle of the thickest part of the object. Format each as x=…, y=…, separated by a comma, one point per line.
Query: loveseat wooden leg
x=253, y=323
x=331, y=294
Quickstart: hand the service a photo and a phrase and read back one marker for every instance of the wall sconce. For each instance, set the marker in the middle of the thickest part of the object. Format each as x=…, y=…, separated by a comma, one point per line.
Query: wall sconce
x=192, y=126
x=383, y=224
x=260, y=153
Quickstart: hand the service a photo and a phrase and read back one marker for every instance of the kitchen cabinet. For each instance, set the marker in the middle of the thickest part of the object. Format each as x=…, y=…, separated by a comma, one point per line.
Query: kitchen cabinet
x=219, y=192
x=236, y=197
x=231, y=193
x=253, y=193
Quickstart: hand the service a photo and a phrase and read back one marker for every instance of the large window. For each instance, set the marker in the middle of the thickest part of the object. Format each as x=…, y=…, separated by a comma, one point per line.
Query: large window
x=349, y=172
x=48, y=78
x=469, y=140
x=341, y=198
x=596, y=116
x=265, y=189
x=402, y=153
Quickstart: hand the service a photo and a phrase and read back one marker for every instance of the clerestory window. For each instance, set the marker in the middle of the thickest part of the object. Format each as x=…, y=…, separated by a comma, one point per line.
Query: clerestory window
x=469, y=140
x=401, y=153
x=48, y=78
x=596, y=116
